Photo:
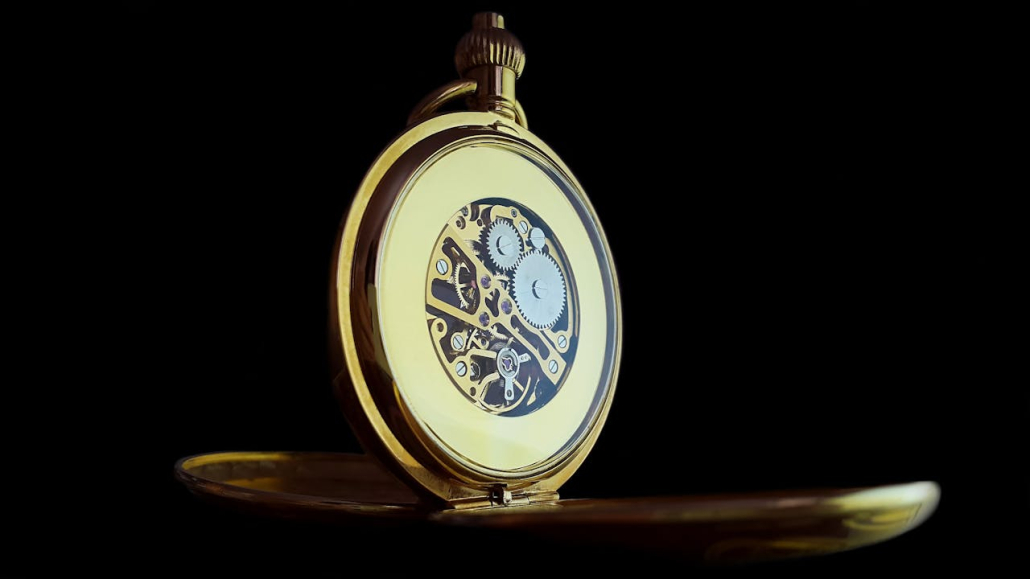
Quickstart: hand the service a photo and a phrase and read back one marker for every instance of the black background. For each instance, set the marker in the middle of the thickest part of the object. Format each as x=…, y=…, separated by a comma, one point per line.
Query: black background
x=776, y=183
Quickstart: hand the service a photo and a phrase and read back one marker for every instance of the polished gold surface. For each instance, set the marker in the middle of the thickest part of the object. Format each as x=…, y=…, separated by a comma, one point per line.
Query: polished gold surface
x=451, y=91
x=442, y=442
x=489, y=44
x=336, y=487
x=440, y=97
x=713, y=529
x=489, y=59
x=725, y=528
x=493, y=58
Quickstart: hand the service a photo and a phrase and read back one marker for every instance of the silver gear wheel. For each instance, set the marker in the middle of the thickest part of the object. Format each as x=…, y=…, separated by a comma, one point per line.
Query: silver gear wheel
x=503, y=244
x=539, y=289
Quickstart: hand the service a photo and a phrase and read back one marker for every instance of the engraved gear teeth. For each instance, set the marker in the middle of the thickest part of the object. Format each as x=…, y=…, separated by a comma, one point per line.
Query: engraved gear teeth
x=539, y=289
x=464, y=286
x=503, y=244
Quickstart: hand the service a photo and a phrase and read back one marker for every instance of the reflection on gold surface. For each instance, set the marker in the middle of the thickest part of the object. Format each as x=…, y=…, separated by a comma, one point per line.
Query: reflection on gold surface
x=712, y=529
x=726, y=528
x=741, y=549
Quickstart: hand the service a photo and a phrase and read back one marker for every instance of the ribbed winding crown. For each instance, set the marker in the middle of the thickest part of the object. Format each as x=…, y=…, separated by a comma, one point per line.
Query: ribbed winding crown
x=488, y=43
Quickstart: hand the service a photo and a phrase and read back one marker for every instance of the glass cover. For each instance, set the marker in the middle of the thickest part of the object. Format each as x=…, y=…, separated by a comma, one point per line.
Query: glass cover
x=496, y=307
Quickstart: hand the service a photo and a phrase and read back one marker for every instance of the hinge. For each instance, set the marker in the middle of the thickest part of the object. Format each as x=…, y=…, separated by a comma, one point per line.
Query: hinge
x=500, y=496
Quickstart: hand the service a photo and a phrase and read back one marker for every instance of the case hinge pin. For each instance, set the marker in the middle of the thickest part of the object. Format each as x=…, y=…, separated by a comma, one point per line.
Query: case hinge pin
x=499, y=495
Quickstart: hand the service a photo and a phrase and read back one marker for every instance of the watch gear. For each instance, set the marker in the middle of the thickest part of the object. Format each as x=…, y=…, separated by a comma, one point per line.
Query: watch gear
x=464, y=283
x=539, y=289
x=503, y=244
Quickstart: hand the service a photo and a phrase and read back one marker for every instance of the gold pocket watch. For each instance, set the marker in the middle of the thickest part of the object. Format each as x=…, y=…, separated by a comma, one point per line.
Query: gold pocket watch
x=476, y=332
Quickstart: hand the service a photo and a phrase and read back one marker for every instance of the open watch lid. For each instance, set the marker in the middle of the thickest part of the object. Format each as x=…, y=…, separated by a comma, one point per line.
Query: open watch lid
x=476, y=332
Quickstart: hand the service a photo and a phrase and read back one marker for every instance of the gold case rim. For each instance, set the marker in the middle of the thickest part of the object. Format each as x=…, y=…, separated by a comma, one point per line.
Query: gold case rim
x=398, y=441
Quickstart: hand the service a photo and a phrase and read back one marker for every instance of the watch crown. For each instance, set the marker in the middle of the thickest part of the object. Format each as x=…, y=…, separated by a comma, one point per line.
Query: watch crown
x=489, y=44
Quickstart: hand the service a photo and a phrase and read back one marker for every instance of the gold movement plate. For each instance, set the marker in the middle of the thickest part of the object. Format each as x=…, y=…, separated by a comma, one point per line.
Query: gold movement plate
x=348, y=488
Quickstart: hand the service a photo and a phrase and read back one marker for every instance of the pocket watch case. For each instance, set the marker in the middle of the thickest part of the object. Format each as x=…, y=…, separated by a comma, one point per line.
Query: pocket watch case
x=476, y=332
